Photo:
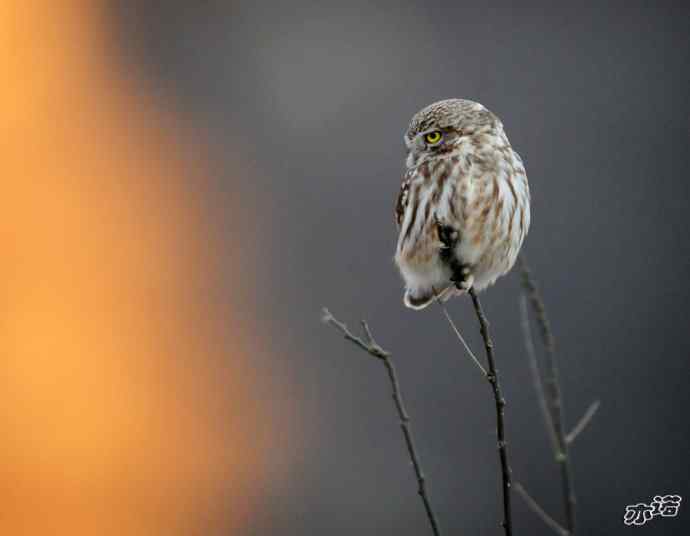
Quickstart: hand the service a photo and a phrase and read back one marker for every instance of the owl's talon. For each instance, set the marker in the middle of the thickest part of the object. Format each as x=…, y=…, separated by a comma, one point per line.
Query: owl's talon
x=462, y=276
x=464, y=282
x=447, y=235
x=461, y=273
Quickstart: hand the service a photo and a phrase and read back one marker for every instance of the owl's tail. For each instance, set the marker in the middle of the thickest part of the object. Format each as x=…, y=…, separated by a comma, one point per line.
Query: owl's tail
x=422, y=297
x=417, y=301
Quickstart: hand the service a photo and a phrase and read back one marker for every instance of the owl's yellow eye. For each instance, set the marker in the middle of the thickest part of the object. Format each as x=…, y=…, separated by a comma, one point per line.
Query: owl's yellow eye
x=432, y=137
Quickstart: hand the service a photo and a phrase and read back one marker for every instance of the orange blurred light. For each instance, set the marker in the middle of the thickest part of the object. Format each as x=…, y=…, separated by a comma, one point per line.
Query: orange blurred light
x=124, y=409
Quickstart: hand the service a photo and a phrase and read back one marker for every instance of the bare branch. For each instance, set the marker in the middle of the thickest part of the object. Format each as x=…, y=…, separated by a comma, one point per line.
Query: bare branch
x=534, y=506
x=583, y=422
x=552, y=389
x=370, y=346
x=462, y=340
x=492, y=378
x=536, y=376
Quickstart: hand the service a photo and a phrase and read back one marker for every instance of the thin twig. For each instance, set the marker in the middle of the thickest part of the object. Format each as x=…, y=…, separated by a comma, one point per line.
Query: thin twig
x=553, y=393
x=534, y=506
x=369, y=345
x=536, y=376
x=583, y=422
x=462, y=340
x=492, y=377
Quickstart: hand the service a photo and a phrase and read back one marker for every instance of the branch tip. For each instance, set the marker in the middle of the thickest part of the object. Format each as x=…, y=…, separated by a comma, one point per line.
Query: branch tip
x=583, y=422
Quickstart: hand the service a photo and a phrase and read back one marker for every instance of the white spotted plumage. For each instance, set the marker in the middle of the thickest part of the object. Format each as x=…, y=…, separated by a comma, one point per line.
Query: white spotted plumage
x=473, y=183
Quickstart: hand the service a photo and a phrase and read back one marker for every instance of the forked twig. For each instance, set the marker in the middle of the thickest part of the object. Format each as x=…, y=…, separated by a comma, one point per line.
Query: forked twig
x=492, y=378
x=550, y=390
x=368, y=344
x=553, y=394
x=534, y=506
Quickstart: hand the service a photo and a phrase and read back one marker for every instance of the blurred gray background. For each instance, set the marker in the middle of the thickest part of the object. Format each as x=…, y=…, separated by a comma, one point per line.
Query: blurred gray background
x=315, y=98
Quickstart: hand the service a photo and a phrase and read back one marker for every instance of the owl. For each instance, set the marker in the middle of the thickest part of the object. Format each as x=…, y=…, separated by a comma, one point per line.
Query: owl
x=463, y=208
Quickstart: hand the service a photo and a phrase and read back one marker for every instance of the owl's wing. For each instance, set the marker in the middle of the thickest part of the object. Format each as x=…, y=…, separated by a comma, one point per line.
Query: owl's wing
x=401, y=202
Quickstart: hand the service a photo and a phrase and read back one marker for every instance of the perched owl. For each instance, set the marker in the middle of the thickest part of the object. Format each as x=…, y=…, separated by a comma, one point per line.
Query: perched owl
x=463, y=207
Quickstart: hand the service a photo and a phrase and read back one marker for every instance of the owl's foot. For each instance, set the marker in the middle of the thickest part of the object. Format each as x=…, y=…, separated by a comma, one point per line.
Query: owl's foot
x=462, y=273
x=462, y=276
x=448, y=238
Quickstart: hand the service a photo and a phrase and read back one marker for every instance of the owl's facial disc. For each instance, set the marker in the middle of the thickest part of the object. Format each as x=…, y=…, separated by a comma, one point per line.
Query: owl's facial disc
x=442, y=127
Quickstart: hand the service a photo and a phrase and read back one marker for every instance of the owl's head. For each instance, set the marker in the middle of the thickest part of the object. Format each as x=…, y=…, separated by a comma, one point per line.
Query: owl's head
x=442, y=126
